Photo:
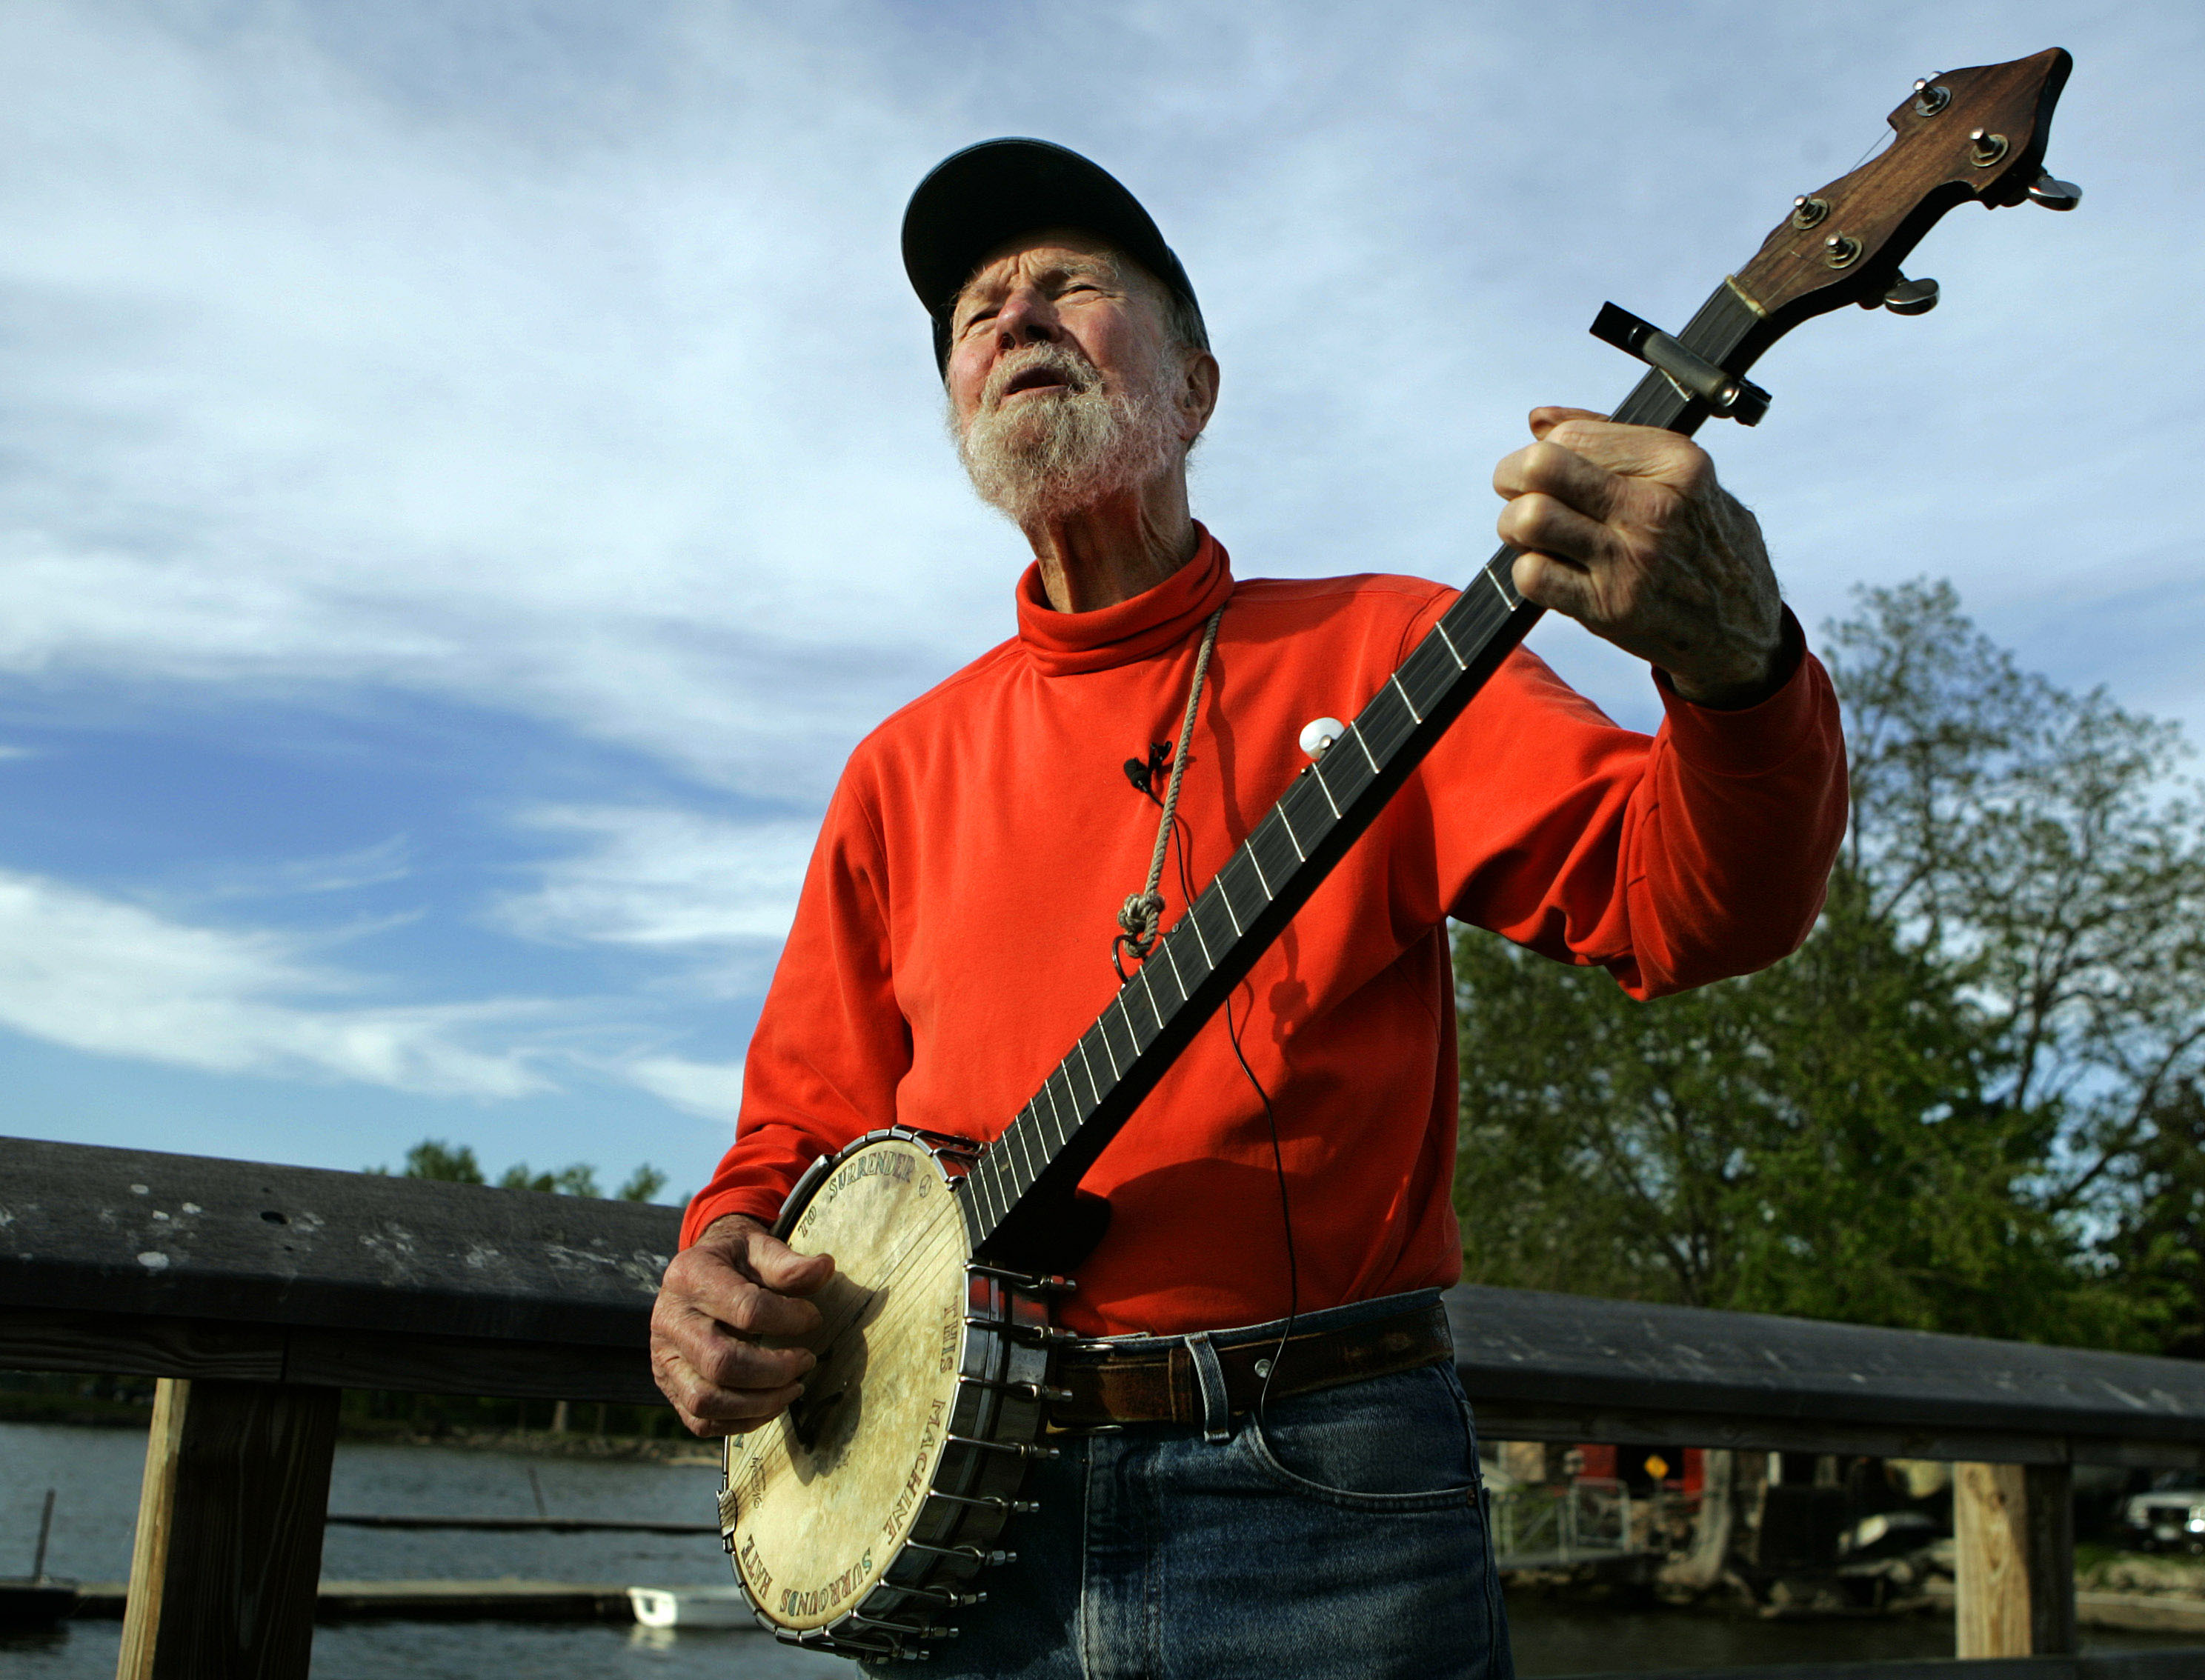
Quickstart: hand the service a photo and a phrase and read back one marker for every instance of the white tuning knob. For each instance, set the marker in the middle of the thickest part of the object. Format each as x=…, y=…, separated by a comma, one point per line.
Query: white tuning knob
x=1320, y=733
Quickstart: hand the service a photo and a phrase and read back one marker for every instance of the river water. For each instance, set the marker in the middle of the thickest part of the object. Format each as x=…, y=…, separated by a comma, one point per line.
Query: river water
x=95, y=1473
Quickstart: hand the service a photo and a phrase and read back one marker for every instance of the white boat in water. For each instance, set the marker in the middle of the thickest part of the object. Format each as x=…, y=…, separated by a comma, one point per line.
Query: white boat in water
x=691, y=1607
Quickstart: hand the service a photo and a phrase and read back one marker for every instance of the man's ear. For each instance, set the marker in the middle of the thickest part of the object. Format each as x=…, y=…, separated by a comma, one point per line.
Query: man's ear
x=1198, y=398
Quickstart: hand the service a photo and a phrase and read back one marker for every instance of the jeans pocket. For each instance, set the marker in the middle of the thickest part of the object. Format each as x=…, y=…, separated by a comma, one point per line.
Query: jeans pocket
x=1400, y=1443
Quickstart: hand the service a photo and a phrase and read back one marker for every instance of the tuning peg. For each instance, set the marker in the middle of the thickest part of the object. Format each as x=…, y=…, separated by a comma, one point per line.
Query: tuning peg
x=1911, y=297
x=2054, y=194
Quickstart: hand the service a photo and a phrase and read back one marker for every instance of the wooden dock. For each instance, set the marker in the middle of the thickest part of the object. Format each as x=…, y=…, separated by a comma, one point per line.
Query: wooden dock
x=256, y=1293
x=2137, y=1613
x=522, y=1525
x=503, y=1600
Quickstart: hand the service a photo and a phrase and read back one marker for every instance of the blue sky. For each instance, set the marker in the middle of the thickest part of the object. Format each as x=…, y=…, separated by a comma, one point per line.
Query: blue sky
x=469, y=472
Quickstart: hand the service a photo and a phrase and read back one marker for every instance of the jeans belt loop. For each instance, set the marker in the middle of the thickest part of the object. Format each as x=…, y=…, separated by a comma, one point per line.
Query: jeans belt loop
x=1210, y=1378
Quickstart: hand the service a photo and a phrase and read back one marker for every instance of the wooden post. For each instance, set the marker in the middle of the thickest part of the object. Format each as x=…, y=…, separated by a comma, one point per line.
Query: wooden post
x=2050, y=1490
x=2013, y=1529
x=228, y=1550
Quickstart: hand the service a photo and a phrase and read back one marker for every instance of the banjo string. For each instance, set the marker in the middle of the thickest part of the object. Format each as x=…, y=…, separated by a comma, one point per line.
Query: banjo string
x=925, y=1229
x=777, y=1445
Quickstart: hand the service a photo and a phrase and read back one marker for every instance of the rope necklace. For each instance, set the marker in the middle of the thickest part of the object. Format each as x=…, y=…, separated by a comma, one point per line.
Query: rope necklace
x=1144, y=910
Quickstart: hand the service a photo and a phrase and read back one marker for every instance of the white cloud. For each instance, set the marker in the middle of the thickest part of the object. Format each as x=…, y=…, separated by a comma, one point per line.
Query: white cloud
x=576, y=374
x=665, y=878
x=477, y=399
x=713, y=1089
x=114, y=979
x=349, y=871
x=555, y=360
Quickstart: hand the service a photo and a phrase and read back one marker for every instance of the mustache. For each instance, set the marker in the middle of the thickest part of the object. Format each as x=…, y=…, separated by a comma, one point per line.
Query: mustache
x=1078, y=374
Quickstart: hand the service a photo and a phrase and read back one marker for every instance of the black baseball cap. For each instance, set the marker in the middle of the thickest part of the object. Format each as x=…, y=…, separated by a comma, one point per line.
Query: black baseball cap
x=975, y=199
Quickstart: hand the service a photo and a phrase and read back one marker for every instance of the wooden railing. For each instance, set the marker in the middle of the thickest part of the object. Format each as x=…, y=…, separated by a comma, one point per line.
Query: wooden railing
x=261, y=1291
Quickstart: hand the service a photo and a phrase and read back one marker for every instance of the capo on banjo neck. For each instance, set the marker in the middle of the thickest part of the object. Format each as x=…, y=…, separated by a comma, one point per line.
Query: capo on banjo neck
x=1725, y=394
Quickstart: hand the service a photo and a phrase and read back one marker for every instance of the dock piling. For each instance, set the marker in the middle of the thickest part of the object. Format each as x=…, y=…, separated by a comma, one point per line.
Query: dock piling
x=2014, y=1583
x=227, y=1555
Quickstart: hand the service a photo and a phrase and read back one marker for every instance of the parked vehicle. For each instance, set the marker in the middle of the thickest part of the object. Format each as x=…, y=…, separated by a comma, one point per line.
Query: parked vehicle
x=2171, y=1515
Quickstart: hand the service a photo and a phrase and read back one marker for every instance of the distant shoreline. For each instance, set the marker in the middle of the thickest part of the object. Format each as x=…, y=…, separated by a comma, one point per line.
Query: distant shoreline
x=73, y=1412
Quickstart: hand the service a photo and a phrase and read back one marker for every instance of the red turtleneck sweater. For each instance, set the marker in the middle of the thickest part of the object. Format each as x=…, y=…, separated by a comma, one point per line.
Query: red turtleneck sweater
x=955, y=930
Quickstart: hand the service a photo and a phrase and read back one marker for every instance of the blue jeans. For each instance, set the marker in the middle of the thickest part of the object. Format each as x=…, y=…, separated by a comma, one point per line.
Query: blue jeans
x=1342, y=1535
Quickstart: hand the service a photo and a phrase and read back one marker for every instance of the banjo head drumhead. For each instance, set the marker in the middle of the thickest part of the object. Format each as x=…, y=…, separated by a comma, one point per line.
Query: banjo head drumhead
x=825, y=1494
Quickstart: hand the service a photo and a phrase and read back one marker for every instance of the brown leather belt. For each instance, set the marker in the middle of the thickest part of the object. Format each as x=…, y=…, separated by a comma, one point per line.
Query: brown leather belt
x=1158, y=1385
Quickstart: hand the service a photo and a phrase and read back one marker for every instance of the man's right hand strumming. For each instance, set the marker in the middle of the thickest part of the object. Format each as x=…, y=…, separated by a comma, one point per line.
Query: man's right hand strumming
x=736, y=1282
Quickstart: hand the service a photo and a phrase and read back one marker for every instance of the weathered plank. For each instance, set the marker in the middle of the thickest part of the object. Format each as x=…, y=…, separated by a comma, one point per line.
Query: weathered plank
x=441, y=1365
x=1516, y=1421
x=211, y=1267
x=35, y=1338
x=503, y=1600
x=133, y=1231
x=2014, y=1538
x=1557, y=1353
x=1990, y=1577
x=2049, y=1491
x=520, y=1525
x=138, y=1344
x=229, y=1548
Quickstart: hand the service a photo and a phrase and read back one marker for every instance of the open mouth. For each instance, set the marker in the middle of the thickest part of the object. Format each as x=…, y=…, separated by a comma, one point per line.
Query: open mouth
x=1037, y=379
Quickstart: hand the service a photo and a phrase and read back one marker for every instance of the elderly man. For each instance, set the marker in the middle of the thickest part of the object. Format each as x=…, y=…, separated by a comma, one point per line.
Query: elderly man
x=1297, y=1161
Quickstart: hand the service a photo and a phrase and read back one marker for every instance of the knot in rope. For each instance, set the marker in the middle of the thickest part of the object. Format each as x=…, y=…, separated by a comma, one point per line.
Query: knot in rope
x=1144, y=910
x=1139, y=918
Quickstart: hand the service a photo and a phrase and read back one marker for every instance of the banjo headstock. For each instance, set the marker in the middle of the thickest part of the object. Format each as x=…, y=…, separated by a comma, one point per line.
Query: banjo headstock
x=1968, y=134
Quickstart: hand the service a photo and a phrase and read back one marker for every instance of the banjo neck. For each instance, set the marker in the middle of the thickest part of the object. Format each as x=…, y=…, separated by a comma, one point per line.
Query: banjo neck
x=1017, y=1196
x=1967, y=136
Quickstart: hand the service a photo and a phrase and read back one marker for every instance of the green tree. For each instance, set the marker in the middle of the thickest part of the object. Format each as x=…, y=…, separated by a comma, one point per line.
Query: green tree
x=643, y=1184
x=578, y=1179
x=2156, y=1242
x=434, y=1158
x=1814, y=1140
x=2037, y=843
x=1939, y=1113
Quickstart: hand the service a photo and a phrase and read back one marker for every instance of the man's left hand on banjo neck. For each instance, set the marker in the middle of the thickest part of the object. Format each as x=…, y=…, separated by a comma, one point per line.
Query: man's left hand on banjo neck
x=1626, y=530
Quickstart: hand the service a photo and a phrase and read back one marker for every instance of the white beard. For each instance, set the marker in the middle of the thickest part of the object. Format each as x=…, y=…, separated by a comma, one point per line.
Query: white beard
x=1047, y=456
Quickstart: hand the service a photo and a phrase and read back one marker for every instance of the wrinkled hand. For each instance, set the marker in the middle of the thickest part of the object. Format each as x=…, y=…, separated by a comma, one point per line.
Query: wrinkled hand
x=736, y=1282
x=1625, y=529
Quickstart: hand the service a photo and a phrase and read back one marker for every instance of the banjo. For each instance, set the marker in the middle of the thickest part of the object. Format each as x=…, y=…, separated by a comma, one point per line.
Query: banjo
x=862, y=1518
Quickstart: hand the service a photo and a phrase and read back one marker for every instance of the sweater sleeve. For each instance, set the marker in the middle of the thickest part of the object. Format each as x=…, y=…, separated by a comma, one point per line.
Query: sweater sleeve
x=1698, y=854
x=831, y=1045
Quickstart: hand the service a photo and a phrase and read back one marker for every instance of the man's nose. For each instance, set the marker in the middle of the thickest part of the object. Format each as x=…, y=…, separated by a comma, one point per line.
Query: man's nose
x=1026, y=318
